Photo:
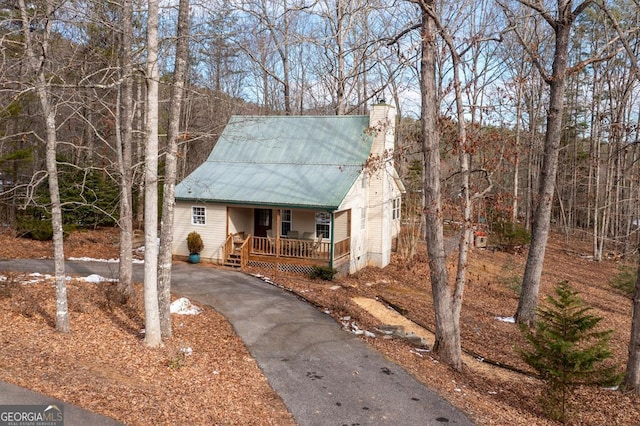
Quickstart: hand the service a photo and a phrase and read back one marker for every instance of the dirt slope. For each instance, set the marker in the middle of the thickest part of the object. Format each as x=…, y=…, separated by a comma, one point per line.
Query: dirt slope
x=103, y=365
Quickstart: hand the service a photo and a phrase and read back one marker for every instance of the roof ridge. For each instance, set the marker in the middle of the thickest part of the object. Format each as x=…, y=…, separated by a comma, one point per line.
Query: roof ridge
x=300, y=116
x=343, y=163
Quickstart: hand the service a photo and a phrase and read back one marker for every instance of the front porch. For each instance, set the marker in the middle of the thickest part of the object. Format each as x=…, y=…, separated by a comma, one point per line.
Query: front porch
x=283, y=253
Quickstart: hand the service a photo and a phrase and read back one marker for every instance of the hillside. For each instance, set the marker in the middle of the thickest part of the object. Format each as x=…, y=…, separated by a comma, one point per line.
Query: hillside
x=490, y=395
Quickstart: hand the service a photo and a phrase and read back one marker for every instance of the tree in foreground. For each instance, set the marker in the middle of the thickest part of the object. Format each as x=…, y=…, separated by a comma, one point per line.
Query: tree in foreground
x=632, y=376
x=566, y=350
x=168, y=202
x=446, y=305
x=561, y=22
x=153, y=336
x=38, y=55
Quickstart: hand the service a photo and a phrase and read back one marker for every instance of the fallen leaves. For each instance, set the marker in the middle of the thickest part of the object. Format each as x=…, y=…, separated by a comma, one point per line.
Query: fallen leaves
x=488, y=394
x=104, y=366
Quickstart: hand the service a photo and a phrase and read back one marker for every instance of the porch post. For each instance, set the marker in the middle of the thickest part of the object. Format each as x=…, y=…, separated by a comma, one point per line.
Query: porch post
x=277, y=224
x=277, y=233
x=331, y=247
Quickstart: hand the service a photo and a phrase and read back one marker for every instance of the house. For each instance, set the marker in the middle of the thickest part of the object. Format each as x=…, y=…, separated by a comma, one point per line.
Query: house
x=293, y=192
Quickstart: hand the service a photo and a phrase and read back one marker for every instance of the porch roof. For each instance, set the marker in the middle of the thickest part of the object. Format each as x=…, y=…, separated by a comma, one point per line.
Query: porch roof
x=301, y=161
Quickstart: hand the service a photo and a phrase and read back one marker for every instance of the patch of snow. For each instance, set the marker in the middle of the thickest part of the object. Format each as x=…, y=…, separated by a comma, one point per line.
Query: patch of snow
x=38, y=274
x=37, y=278
x=183, y=306
x=510, y=320
x=90, y=259
x=95, y=278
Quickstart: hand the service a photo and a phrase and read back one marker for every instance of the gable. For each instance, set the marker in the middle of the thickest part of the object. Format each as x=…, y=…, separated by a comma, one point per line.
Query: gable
x=298, y=161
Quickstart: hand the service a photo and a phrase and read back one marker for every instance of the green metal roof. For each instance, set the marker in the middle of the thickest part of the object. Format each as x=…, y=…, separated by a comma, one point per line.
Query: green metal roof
x=297, y=161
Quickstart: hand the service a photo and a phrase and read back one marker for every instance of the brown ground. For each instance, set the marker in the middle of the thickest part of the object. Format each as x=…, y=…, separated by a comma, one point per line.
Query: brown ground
x=104, y=366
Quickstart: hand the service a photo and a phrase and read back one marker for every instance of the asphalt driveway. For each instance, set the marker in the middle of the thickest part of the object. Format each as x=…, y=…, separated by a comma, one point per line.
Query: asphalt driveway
x=324, y=375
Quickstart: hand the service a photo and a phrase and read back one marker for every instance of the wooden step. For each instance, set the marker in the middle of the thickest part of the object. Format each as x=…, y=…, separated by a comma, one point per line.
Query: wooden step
x=233, y=260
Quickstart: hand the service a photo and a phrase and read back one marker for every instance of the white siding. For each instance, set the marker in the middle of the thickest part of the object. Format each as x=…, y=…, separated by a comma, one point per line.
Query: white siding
x=213, y=233
x=355, y=200
x=240, y=220
x=382, y=189
x=377, y=219
x=303, y=221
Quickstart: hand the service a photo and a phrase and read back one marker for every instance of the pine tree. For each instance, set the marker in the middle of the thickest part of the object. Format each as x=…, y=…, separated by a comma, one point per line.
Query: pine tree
x=566, y=350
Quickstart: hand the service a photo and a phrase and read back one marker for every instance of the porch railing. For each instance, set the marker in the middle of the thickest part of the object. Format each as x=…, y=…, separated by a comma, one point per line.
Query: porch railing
x=287, y=248
x=291, y=248
x=342, y=248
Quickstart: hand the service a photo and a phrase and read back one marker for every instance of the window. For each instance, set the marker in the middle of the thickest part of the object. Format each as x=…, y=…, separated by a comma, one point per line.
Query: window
x=198, y=216
x=285, y=222
x=395, y=208
x=363, y=218
x=323, y=224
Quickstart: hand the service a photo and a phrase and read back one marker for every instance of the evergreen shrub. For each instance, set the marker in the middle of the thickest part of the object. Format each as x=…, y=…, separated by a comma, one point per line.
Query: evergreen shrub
x=567, y=351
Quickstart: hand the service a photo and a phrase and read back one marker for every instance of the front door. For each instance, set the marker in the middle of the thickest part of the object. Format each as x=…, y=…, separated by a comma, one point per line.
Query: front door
x=262, y=222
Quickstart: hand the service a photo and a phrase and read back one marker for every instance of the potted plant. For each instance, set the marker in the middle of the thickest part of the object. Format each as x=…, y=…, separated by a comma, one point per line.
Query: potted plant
x=195, y=246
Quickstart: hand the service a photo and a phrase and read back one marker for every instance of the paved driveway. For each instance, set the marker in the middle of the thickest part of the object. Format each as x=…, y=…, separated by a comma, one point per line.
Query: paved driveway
x=324, y=375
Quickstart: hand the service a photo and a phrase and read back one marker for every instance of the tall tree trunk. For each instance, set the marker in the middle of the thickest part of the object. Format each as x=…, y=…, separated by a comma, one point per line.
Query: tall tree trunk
x=140, y=119
x=340, y=59
x=152, y=317
x=37, y=66
x=124, y=141
x=447, y=340
x=516, y=148
x=632, y=376
x=528, y=303
x=166, y=233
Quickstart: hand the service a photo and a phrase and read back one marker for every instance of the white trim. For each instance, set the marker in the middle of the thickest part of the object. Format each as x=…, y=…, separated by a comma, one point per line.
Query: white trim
x=203, y=216
x=282, y=221
x=395, y=208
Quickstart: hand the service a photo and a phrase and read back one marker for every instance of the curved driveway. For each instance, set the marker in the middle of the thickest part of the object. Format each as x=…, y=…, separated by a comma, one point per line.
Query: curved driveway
x=324, y=375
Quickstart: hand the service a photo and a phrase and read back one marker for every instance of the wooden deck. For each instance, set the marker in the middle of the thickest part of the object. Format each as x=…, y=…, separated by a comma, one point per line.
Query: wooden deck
x=239, y=252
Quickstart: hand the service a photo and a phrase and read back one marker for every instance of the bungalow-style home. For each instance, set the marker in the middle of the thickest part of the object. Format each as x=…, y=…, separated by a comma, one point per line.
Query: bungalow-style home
x=293, y=192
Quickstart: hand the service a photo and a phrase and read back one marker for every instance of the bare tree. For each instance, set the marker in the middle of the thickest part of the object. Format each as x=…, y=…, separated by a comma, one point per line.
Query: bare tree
x=447, y=340
x=274, y=33
x=166, y=235
x=152, y=317
x=632, y=375
x=449, y=305
x=37, y=52
x=351, y=58
x=561, y=23
x=124, y=142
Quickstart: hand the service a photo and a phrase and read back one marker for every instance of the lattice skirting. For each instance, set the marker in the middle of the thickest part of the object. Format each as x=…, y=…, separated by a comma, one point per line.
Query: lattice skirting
x=283, y=267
